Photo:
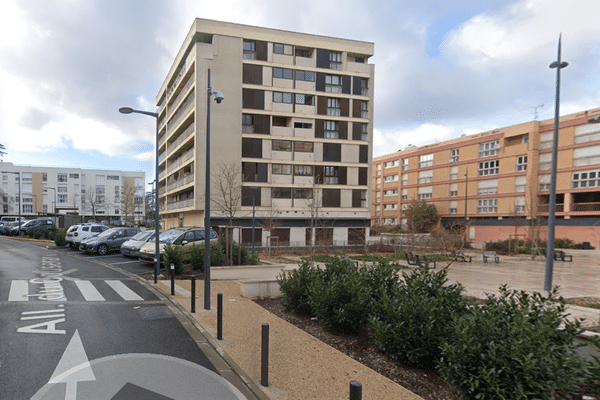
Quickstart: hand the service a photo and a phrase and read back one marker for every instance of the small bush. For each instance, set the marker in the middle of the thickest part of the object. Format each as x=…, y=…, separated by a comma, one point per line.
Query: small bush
x=217, y=256
x=294, y=288
x=173, y=255
x=253, y=259
x=411, y=320
x=592, y=377
x=60, y=237
x=511, y=348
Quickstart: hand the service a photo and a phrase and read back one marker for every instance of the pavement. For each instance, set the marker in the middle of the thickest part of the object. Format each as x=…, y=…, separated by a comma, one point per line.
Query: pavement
x=302, y=367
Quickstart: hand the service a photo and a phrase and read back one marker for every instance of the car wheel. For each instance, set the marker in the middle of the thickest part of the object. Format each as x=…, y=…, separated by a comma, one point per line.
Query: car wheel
x=102, y=249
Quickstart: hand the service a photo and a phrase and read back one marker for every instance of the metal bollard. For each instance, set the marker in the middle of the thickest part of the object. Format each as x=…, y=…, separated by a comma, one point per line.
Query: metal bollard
x=355, y=390
x=264, y=359
x=220, y=316
x=193, y=294
x=172, y=280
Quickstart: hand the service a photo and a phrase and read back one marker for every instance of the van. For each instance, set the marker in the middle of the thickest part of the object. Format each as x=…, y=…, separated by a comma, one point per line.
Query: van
x=11, y=219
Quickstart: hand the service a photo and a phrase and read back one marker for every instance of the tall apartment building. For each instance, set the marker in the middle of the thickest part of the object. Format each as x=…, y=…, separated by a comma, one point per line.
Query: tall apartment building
x=499, y=181
x=295, y=127
x=107, y=194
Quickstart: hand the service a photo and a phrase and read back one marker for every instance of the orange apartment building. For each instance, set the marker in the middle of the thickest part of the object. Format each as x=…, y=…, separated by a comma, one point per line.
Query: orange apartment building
x=498, y=182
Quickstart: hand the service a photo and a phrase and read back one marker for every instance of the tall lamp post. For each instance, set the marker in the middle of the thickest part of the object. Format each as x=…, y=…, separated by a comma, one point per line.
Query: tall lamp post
x=17, y=173
x=218, y=98
x=558, y=64
x=129, y=110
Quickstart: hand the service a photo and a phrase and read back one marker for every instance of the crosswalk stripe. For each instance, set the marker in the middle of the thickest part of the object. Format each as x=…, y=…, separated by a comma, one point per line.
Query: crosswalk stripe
x=124, y=291
x=19, y=291
x=89, y=292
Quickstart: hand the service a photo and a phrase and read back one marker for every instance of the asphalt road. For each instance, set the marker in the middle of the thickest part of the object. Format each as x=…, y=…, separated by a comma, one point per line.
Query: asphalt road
x=72, y=327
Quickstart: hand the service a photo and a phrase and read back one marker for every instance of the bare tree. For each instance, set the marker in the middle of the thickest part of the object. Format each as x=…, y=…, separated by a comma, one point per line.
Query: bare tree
x=269, y=223
x=2, y=153
x=5, y=200
x=92, y=200
x=127, y=201
x=228, y=196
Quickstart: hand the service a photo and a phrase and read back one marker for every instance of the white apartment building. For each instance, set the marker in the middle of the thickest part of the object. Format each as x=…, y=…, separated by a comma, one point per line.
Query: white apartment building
x=295, y=126
x=44, y=191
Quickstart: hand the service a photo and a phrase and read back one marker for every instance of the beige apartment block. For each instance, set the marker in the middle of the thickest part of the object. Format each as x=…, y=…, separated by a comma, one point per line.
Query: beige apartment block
x=497, y=183
x=295, y=127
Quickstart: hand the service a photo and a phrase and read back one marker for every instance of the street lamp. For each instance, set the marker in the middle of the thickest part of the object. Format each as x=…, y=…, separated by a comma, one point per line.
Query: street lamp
x=17, y=173
x=558, y=64
x=129, y=110
x=218, y=98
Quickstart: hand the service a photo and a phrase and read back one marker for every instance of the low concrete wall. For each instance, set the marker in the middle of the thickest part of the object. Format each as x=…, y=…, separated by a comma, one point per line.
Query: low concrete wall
x=258, y=289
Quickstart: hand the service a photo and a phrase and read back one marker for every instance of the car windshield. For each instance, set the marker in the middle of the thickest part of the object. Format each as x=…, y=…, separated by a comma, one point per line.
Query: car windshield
x=169, y=236
x=145, y=235
x=107, y=232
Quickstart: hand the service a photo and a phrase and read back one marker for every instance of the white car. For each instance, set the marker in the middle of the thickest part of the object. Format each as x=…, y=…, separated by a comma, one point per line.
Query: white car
x=85, y=231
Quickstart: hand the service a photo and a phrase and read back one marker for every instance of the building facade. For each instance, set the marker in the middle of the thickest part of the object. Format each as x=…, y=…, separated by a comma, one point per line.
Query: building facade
x=498, y=182
x=46, y=191
x=291, y=142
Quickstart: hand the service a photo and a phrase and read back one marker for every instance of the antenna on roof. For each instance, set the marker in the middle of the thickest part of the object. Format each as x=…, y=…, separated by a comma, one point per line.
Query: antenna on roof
x=535, y=111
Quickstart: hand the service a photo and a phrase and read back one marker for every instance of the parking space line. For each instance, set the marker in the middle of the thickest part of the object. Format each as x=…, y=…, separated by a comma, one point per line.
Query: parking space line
x=19, y=291
x=126, y=262
x=124, y=291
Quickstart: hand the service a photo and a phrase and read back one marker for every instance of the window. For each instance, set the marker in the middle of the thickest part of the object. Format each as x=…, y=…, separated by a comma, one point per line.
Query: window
x=454, y=173
x=546, y=140
x=390, y=178
x=303, y=170
x=304, y=99
x=364, y=134
x=286, y=49
x=391, y=164
x=61, y=177
x=302, y=125
x=27, y=208
x=26, y=176
x=280, y=121
x=404, y=164
x=281, y=145
x=302, y=193
x=584, y=179
x=307, y=76
x=44, y=177
x=247, y=123
x=453, y=193
x=364, y=110
x=331, y=130
x=335, y=60
x=333, y=107
x=487, y=206
x=544, y=182
x=282, y=73
x=330, y=175
x=389, y=207
x=282, y=169
x=404, y=179
x=426, y=160
x=249, y=50
x=520, y=205
x=306, y=53
x=363, y=198
x=305, y=147
x=117, y=190
x=404, y=194
x=423, y=196
x=364, y=86
x=333, y=83
x=280, y=97
x=99, y=189
x=112, y=177
x=520, y=183
x=489, y=186
x=522, y=163
x=392, y=192
x=389, y=221
x=281, y=193
x=426, y=176
x=488, y=149
x=74, y=176
x=62, y=198
x=489, y=167
x=61, y=189
x=545, y=161
x=454, y=155
x=452, y=210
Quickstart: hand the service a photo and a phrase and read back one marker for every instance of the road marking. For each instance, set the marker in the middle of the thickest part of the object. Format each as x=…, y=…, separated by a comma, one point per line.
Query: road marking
x=125, y=262
x=124, y=291
x=19, y=291
x=48, y=327
x=89, y=292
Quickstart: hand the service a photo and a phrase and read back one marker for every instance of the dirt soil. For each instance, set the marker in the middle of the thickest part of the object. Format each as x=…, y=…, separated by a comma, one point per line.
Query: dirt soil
x=425, y=383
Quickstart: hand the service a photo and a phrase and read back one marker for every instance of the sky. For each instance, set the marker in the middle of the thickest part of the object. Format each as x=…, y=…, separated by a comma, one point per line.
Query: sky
x=442, y=68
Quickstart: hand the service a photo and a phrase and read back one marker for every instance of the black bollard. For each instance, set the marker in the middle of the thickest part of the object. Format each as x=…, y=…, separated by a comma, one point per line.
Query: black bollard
x=193, y=294
x=220, y=316
x=264, y=359
x=355, y=390
x=172, y=280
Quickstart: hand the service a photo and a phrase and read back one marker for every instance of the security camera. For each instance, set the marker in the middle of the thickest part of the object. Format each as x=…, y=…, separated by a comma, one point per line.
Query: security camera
x=218, y=96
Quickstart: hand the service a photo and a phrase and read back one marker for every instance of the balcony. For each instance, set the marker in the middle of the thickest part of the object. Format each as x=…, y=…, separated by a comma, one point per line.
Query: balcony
x=179, y=161
x=180, y=204
x=585, y=207
x=178, y=183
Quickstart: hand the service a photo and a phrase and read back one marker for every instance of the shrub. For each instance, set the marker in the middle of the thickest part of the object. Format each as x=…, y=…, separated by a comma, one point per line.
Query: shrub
x=294, y=287
x=340, y=298
x=511, y=348
x=217, y=256
x=236, y=251
x=173, y=255
x=253, y=259
x=411, y=320
x=60, y=237
x=592, y=377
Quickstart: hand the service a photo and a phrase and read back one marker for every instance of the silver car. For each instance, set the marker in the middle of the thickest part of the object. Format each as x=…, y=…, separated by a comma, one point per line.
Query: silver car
x=131, y=248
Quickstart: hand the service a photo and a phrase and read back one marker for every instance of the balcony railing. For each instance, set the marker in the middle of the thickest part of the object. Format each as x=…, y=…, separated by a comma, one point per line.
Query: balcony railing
x=180, y=204
x=177, y=163
x=546, y=208
x=585, y=207
x=180, y=182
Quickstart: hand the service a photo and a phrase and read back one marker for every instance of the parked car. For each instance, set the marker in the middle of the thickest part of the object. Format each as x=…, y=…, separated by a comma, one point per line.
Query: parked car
x=131, y=248
x=176, y=237
x=43, y=224
x=13, y=228
x=71, y=234
x=85, y=231
x=110, y=239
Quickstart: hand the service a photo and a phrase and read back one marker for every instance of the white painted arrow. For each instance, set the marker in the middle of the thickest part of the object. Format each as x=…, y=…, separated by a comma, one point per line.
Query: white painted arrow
x=73, y=367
